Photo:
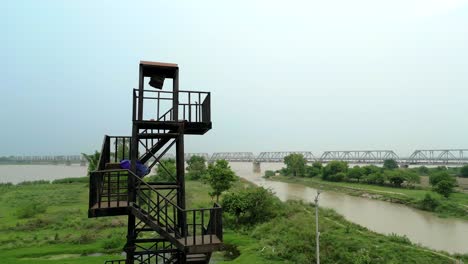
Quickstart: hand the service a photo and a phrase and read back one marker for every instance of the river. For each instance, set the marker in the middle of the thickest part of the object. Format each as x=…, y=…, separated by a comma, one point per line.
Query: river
x=421, y=227
x=19, y=173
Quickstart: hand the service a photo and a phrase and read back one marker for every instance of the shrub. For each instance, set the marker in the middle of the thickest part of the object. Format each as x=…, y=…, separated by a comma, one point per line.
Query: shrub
x=269, y=173
x=340, y=176
x=464, y=171
x=114, y=241
x=439, y=176
x=196, y=168
x=71, y=180
x=355, y=173
x=390, y=164
x=314, y=170
x=34, y=182
x=295, y=164
x=252, y=205
x=30, y=209
x=334, y=167
x=429, y=203
x=444, y=188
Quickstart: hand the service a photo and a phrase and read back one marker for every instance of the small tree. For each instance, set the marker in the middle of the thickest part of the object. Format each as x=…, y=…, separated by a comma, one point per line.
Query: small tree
x=334, y=167
x=464, y=171
x=390, y=164
x=93, y=161
x=314, y=170
x=412, y=178
x=355, y=173
x=196, y=168
x=295, y=164
x=444, y=187
x=395, y=177
x=439, y=176
x=220, y=177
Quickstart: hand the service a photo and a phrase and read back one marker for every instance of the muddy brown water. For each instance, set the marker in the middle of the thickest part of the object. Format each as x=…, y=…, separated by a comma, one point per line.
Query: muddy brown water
x=447, y=234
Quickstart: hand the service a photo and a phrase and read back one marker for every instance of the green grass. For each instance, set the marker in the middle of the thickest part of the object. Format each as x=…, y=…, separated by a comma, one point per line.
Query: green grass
x=63, y=233
x=455, y=206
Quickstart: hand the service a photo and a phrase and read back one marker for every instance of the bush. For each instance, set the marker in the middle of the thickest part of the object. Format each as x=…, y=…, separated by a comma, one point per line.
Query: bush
x=114, y=241
x=196, y=168
x=429, y=203
x=269, y=173
x=252, y=205
x=71, y=180
x=314, y=170
x=333, y=168
x=355, y=173
x=295, y=164
x=439, y=176
x=340, y=176
x=375, y=178
x=464, y=171
x=444, y=188
x=30, y=209
x=390, y=164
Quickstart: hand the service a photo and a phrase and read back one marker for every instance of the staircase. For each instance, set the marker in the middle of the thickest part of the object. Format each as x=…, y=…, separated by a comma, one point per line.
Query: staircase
x=160, y=228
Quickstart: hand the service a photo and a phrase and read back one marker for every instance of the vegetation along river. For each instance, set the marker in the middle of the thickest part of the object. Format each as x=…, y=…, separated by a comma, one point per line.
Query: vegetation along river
x=429, y=230
x=421, y=227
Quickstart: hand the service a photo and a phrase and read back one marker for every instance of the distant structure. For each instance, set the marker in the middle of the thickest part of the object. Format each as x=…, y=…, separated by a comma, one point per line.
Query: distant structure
x=160, y=228
x=44, y=159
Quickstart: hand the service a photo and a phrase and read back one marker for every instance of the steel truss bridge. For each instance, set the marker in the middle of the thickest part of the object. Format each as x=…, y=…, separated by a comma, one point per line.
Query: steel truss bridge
x=359, y=156
x=279, y=156
x=233, y=156
x=43, y=159
x=419, y=157
x=439, y=156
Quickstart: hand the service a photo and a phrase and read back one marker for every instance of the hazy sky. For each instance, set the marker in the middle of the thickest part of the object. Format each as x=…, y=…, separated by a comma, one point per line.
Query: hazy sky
x=284, y=75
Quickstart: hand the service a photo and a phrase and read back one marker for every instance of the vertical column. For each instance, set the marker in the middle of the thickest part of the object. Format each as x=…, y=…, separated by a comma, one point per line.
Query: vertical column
x=140, y=95
x=180, y=168
x=175, y=96
x=130, y=246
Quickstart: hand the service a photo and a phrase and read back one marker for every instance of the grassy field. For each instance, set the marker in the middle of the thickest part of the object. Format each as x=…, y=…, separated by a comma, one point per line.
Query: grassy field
x=47, y=223
x=455, y=206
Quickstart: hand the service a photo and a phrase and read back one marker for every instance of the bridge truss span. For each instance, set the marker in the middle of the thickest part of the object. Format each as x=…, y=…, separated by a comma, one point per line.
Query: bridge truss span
x=439, y=156
x=233, y=156
x=279, y=156
x=359, y=156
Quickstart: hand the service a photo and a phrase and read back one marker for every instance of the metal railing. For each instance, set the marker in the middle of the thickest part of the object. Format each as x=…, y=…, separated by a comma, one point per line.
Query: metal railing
x=192, y=106
x=109, y=189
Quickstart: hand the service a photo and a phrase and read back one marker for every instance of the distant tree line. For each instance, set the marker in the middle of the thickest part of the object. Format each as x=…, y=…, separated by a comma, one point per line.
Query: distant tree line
x=390, y=174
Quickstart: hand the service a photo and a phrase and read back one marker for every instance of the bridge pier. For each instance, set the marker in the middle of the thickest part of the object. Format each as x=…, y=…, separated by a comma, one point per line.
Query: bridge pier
x=256, y=167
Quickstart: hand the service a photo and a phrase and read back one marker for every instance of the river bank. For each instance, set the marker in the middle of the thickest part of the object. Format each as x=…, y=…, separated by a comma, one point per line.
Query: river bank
x=456, y=206
x=58, y=231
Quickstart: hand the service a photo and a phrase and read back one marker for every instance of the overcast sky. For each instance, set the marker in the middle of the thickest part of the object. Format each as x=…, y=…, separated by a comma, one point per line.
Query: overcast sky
x=284, y=75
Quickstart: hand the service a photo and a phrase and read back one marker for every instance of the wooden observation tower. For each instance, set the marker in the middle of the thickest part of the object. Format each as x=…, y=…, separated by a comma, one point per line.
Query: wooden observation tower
x=160, y=228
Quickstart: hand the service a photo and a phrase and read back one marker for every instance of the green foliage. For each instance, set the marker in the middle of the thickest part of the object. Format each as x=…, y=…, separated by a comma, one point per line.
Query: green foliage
x=395, y=177
x=196, y=168
x=93, y=160
x=370, y=169
x=314, y=170
x=390, y=164
x=375, y=178
x=464, y=171
x=220, y=177
x=123, y=151
x=355, y=173
x=333, y=168
x=295, y=164
x=252, y=205
x=444, y=187
x=269, y=174
x=30, y=209
x=71, y=180
x=423, y=170
x=439, y=176
x=165, y=171
x=429, y=203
